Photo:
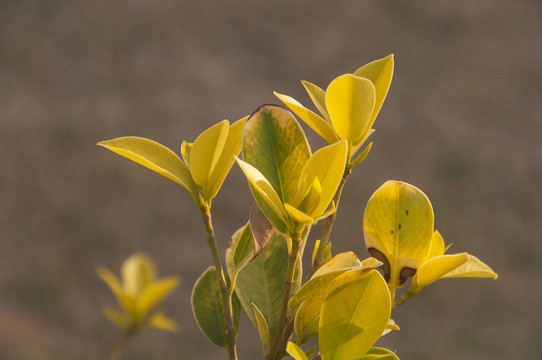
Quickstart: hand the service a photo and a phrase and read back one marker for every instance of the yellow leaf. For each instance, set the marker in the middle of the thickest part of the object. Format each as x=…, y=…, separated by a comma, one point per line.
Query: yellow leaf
x=263, y=328
x=153, y=156
x=206, y=151
x=263, y=187
x=154, y=293
x=350, y=101
x=318, y=97
x=437, y=245
x=380, y=72
x=398, y=225
x=138, y=272
x=298, y=216
x=344, y=260
x=232, y=147
x=436, y=267
x=160, y=321
x=474, y=267
x=295, y=351
x=115, y=317
x=317, y=123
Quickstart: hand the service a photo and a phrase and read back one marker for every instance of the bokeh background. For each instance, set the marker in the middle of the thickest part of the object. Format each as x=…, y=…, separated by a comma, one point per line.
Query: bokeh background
x=461, y=121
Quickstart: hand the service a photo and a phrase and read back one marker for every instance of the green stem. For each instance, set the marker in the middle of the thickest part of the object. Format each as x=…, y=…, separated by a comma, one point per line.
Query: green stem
x=225, y=291
x=410, y=293
x=275, y=352
x=330, y=221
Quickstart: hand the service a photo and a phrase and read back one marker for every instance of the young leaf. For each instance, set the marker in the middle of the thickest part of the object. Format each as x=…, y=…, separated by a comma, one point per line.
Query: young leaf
x=380, y=72
x=345, y=260
x=398, y=225
x=153, y=156
x=353, y=317
x=350, y=101
x=318, y=97
x=156, y=292
x=207, y=307
x=162, y=322
x=435, y=268
x=379, y=354
x=317, y=123
x=206, y=151
x=138, y=272
x=295, y=351
x=232, y=147
x=474, y=267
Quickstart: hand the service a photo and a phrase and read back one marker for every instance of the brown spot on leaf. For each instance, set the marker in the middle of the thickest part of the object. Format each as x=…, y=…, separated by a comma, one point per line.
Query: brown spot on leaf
x=381, y=257
x=399, y=226
x=406, y=212
x=405, y=273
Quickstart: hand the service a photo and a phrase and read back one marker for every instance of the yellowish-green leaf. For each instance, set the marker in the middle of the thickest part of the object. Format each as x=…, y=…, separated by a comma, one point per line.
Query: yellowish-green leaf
x=232, y=147
x=206, y=151
x=298, y=216
x=295, y=351
x=391, y=325
x=379, y=354
x=435, y=268
x=318, y=97
x=138, y=272
x=316, y=122
x=162, y=322
x=263, y=187
x=327, y=255
x=327, y=165
x=362, y=155
x=474, y=267
x=243, y=251
x=380, y=72
x=398, y=225
x=345, y=260
x=350, y=101
x=354, y=316
x=263, y=328
x=437, y=245
x=156, y=292
x=153, y=156
x=186, y=148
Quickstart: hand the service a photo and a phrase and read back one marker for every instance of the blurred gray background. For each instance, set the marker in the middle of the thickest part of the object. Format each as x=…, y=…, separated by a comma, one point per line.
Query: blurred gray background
x=461, y=121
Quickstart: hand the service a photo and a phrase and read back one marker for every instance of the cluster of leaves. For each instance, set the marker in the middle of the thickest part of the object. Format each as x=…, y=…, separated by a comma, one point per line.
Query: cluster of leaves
x=343, y=306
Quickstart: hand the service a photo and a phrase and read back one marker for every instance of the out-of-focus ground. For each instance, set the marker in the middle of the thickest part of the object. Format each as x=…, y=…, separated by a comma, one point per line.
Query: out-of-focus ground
x=462, y=122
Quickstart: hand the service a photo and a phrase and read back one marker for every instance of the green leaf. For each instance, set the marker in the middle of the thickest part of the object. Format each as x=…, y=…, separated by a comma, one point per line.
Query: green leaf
x=206, y=151
x=295, y=351
x=243, y=252
x=380, y=72
x=318, y=97
x=208, y=307
x=435, y=268
x=274, y=143
x=354, y=316
x=153, y=156
x=474, y=267
x=232, y=147
x=350, y=101
x=261, y=282
x=379, y=354
x=327, y=255
x=316, y=122
x=263, y=328
x=398, y=225
x=138, y=272
x=362, y=155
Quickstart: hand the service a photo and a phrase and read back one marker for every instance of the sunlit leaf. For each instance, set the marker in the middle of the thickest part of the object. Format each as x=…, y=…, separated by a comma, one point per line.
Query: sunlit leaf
x=353, y=318
x=350, y=101
x=362, y=155
x=318, y=97
x=295, y=351
x=327, y=255
x=298, y=215
x=344, y=260
x=398, y=225
x=244, y=247
x=379, y=354
x=186, y=148
x=316, y=122
x=474, y=267
x=380, y=72
x=437, y=267
x=154, y=156
x=437, y=245
x=206, y=151
x=231, y=148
